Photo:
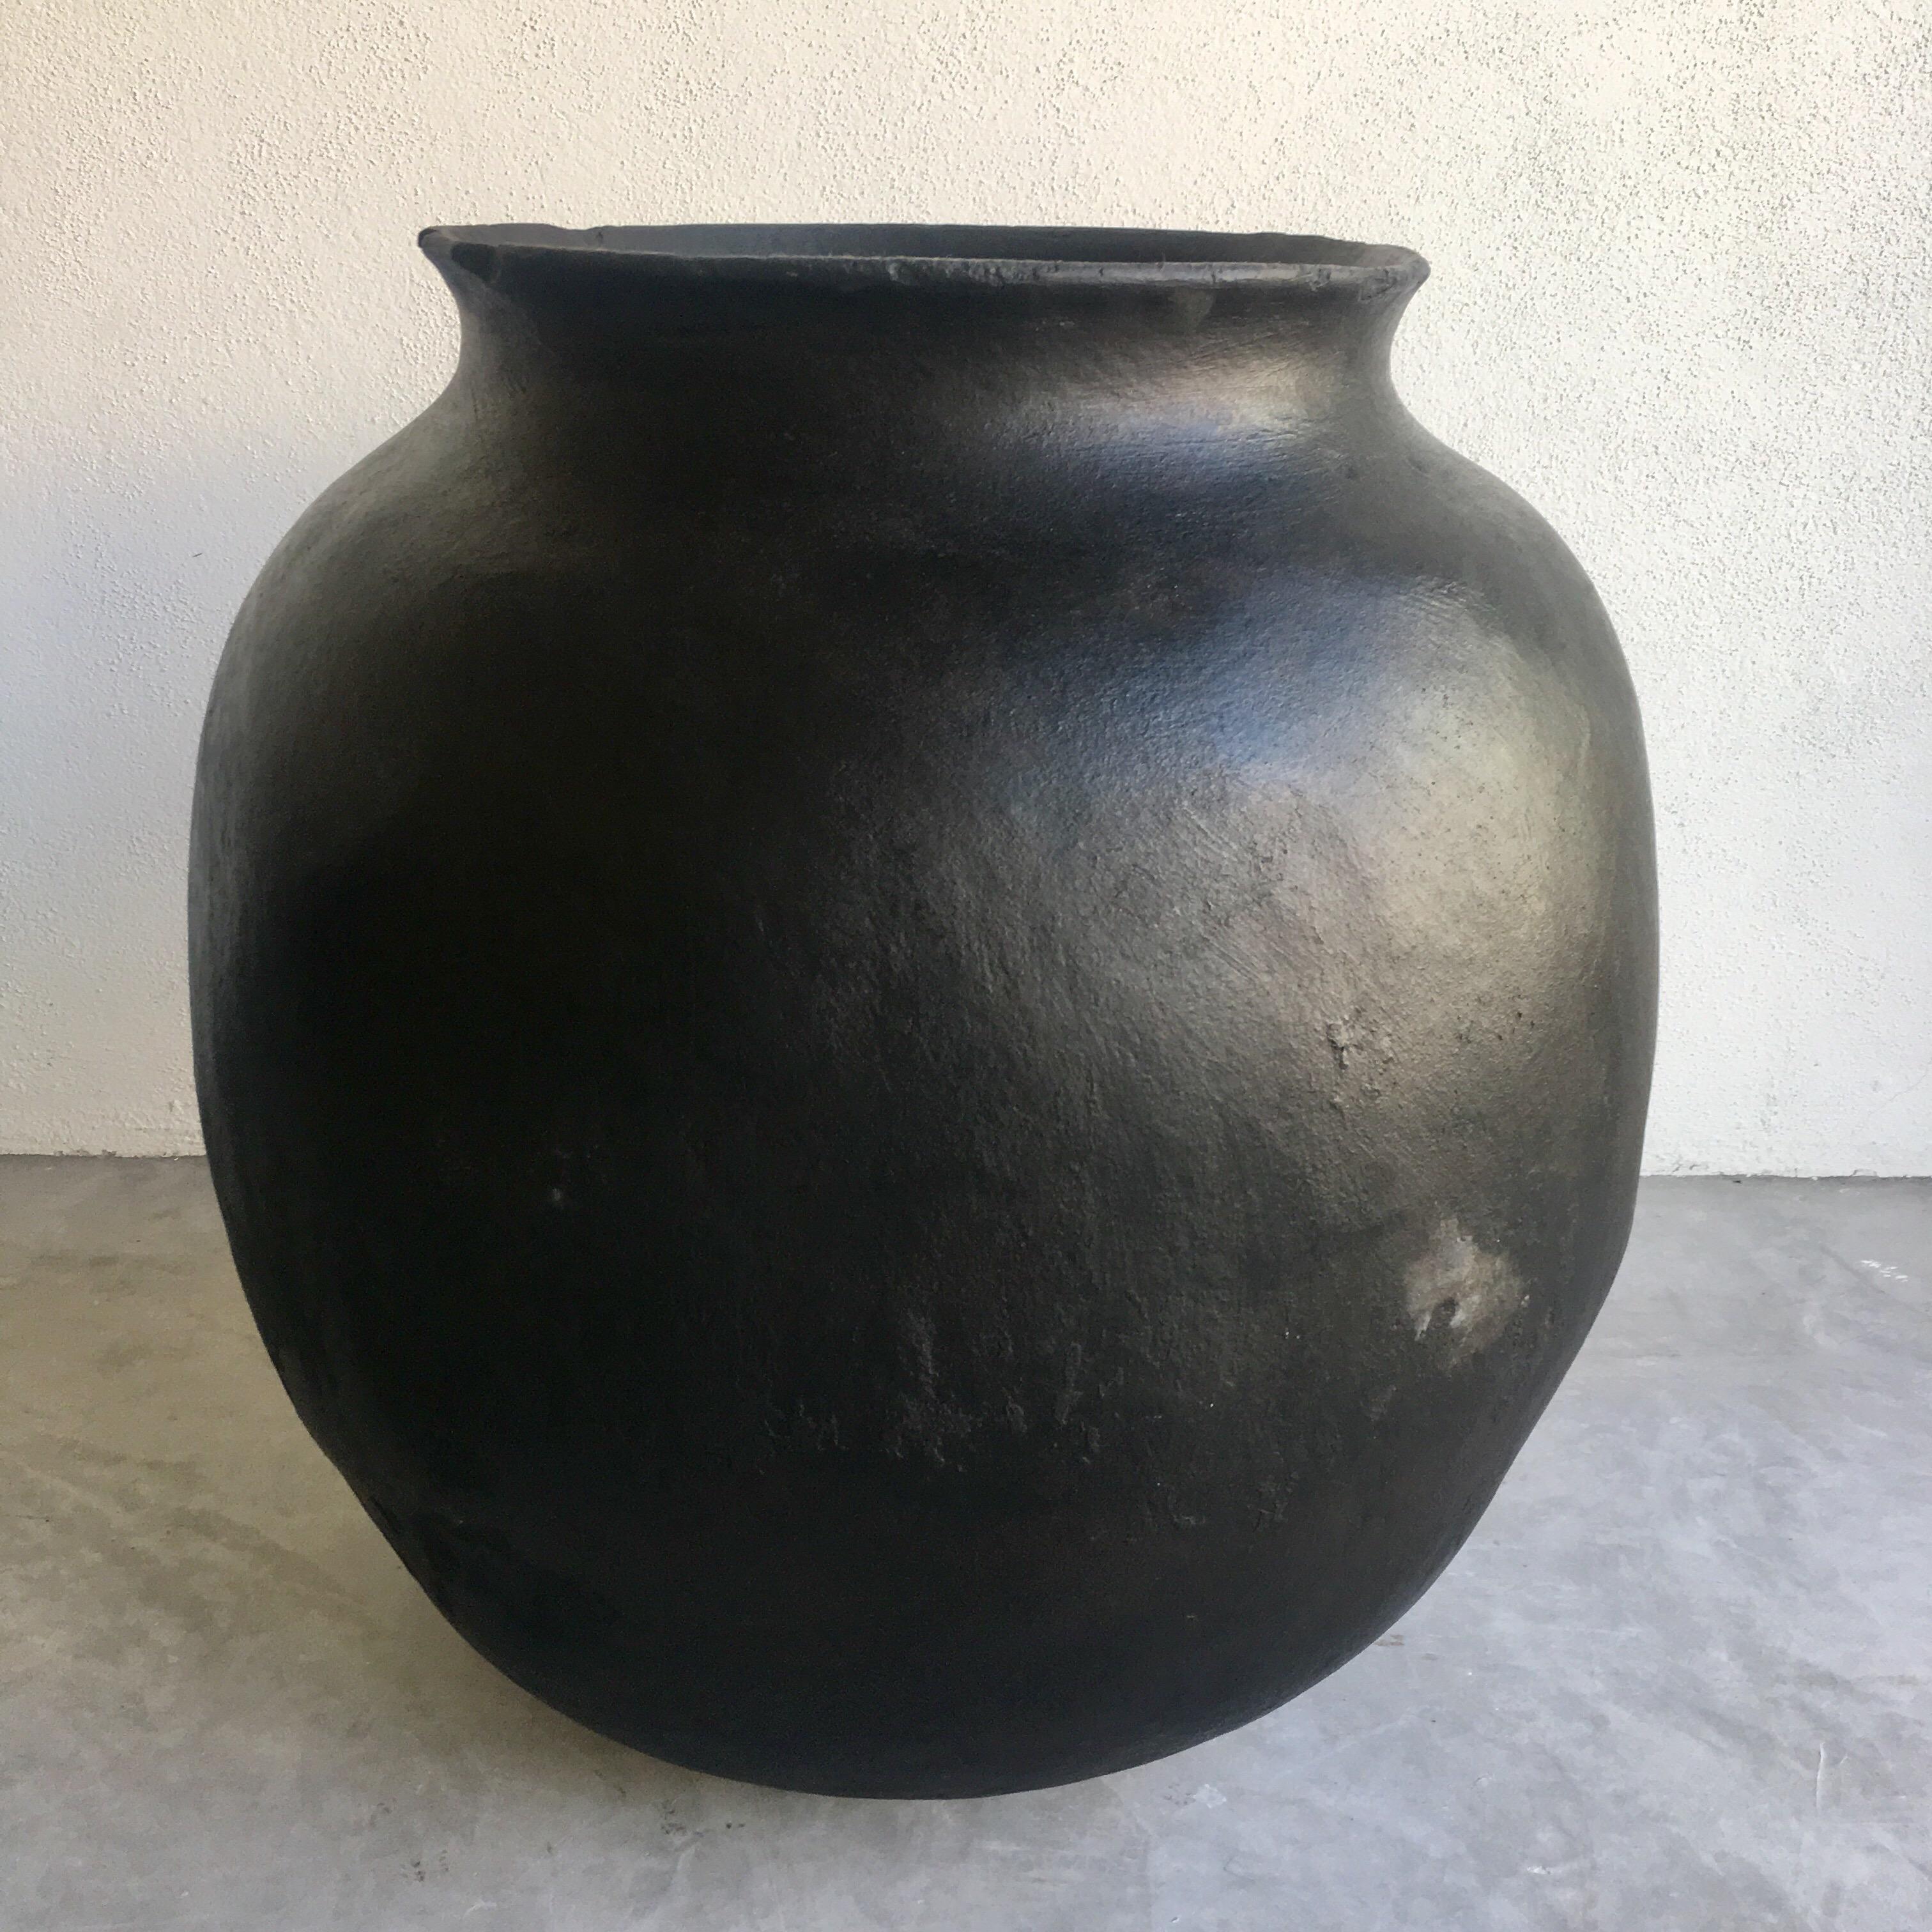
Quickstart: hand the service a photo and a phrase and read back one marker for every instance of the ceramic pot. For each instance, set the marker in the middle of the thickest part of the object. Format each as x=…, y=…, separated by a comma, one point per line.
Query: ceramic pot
x=923, y=978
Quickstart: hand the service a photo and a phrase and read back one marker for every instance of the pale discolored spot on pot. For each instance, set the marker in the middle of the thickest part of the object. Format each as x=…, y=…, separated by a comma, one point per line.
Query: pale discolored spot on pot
x=1459, y=1295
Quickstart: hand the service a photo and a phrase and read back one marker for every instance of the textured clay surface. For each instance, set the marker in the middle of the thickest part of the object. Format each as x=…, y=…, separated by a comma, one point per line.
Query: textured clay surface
x=924, y=969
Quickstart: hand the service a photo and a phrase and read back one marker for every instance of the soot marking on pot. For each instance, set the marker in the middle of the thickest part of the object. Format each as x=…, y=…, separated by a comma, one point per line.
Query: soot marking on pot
x=1460, y=1297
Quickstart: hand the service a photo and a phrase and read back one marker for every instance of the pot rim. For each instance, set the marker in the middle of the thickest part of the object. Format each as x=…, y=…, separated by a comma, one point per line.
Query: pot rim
x=850, y=253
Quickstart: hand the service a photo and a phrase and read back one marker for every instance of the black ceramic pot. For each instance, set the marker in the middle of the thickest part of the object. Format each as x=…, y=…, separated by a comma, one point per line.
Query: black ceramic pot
x=923, y=976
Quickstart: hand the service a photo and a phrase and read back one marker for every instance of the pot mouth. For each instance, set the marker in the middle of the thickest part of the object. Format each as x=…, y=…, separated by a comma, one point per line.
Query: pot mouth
x=850, y=253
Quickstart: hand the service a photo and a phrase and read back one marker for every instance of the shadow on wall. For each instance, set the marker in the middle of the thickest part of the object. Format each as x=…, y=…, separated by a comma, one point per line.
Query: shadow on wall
x=122, y=580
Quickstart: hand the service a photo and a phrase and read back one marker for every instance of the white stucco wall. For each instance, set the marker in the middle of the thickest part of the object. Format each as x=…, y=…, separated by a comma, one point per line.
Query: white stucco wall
x=1683, y=255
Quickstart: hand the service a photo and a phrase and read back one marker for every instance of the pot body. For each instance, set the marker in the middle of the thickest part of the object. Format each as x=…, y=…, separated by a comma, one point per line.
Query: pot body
x=923, y=978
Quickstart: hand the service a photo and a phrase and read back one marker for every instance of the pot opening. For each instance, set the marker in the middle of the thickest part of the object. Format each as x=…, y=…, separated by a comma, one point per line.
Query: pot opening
x=864, y=251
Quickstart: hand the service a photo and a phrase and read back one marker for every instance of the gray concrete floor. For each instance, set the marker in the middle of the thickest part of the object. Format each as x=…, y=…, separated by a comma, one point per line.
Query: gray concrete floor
x=1678, y=1678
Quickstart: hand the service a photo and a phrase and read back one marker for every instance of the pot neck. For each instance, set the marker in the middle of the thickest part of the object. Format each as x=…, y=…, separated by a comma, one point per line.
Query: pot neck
x=808, y=333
